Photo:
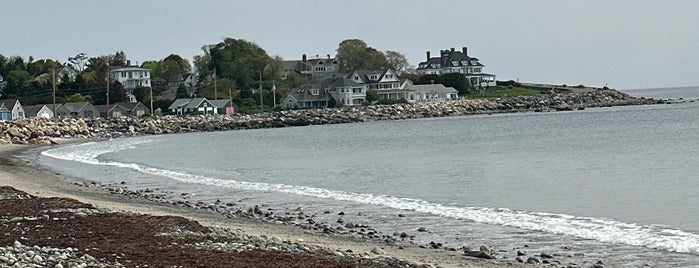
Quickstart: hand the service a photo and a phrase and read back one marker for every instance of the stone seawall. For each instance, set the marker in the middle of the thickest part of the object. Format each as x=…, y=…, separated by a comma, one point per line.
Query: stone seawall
x=42, y=131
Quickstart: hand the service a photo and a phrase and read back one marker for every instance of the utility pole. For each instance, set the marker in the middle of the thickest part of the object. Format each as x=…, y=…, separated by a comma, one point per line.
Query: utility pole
x=230, y=97
x=262, y=109
x=53, y=89
x=215, y=89
x=108, y=80
x=151, y=100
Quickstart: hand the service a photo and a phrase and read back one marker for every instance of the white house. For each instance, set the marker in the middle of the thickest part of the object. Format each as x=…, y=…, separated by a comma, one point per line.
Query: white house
x=39, y=110
x=345, y=91
x=131, y=77
x=11, y=110
x=183, y=107
x=452, y=61
x=316, y=68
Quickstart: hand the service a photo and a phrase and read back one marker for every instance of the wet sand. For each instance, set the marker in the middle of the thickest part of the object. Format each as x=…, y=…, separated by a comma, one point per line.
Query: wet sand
x=43, y=182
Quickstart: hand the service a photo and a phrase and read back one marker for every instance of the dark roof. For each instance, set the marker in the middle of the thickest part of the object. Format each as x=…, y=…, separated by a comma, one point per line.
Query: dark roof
x=75, y=106
x=9, y=103
x=338, y=81
x=364, y=75
x=304, y=93
x=33, y=110
x=447, y=58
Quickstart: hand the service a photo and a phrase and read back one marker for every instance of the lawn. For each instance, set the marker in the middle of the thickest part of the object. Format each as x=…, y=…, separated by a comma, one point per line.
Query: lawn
x=501, y=92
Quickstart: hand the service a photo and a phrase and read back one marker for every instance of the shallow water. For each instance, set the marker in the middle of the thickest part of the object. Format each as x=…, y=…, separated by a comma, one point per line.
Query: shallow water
x=617, y=184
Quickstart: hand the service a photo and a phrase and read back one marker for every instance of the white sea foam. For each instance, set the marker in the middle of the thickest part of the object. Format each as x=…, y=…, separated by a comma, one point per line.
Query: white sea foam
x=604, y=230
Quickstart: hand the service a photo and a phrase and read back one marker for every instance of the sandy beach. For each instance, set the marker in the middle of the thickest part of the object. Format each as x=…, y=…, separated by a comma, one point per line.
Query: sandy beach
x=44, y=183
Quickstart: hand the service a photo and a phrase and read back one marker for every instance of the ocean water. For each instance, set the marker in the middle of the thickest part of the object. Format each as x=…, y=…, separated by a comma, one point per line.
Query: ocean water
x=618, y=184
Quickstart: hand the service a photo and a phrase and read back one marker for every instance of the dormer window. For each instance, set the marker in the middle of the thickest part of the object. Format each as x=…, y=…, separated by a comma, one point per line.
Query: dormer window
x=314, y=91
x=454, y=63
x=356, y=78
x=373, y=77
x=464, y=63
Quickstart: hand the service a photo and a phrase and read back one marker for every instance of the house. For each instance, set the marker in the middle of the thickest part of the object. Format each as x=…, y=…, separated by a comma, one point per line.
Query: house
x=137, y=109
x=345, y=91
x=376, y=79
x=39, y=111
x=430, y=93
x=115, y=110
x=310, y=95
x=311, y=68
x=452, y=61
x=183, y=107
x=131, y=77
x=77, y=110
x=224, y=106
x=11, y=110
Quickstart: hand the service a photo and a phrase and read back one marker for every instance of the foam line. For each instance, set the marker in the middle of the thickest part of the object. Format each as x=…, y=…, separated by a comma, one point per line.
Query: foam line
x=604, y=230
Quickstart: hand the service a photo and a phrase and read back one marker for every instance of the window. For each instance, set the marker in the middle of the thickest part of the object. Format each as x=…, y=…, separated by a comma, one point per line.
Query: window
x=373, y=77
x=389, y=76
x=356, y=78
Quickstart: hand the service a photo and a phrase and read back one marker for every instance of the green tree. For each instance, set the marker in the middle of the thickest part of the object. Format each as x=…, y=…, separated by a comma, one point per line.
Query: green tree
x=17, y=83
x=240, y=61
x=397, y=61
x=355, y=54
x=77, y=97
x=456, y=80
x=202, y=64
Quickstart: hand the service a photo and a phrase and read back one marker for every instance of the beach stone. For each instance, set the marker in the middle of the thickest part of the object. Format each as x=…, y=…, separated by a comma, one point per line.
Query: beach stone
x=422, y=229
x=377, y=251
x=533, y=260
x=37, y=259
x=546, y=255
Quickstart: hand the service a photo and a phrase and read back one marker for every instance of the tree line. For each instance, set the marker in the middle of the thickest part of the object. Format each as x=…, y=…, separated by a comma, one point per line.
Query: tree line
x=230, y=69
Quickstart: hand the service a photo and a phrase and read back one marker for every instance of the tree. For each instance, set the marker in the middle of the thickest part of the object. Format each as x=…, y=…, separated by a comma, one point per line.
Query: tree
x=118, y=59
x=355, y=54
x=397, y=61
x=240, y=61
x=17, y=83
x=181, y=92
x=78, y=61
x=202, y=63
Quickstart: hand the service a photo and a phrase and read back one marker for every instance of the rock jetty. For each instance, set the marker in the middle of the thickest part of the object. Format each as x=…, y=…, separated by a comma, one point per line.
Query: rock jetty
x=42, y=131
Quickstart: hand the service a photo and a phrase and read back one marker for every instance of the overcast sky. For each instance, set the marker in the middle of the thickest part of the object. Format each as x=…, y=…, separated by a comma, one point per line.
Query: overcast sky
x=625, y=44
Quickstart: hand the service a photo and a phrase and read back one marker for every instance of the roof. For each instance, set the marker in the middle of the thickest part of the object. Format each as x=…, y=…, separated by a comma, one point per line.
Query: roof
x=178, y=103
x=304, y=93
x=9, y=103
x=220, y=103
x=432, y=88
x=194, y=103
x=451, y=57
x=364, y=75
x=75, y=106
x=33, y=110
x=338, y=81
x=131, y=105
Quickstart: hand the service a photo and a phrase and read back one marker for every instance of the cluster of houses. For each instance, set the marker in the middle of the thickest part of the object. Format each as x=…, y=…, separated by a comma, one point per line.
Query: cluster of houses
x=13, y=110
x=328, y=83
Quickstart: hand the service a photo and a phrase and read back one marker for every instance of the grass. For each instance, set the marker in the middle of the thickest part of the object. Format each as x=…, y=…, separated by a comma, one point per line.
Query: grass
x=500, y=92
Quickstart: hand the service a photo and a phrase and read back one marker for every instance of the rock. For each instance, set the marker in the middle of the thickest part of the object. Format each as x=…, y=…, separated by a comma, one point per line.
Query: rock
x=422, y=229
x=533, y=260
x=546, y=255
x=484, y=252
x=377, y=251
x=521, y=253
x=37, y=259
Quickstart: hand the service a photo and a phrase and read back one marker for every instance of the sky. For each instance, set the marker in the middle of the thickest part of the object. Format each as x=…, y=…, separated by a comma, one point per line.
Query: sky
x=623, y=44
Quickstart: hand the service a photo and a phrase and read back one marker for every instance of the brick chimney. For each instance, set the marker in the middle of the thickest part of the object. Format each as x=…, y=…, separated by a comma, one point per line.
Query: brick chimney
x=452, y=50
x=303, y=58
x=441, y=57
x=464, y=50
x=428, y=56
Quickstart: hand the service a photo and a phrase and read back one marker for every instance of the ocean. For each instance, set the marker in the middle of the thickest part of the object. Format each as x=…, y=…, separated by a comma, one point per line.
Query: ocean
x=617, y=184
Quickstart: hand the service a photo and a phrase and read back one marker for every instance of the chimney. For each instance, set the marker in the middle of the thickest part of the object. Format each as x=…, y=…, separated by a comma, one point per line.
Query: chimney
x=441, y=57
x=328, y=56
x=428, y=56
x=464, y=49
x=128, y=63
x=452, y=50
x=303, y=58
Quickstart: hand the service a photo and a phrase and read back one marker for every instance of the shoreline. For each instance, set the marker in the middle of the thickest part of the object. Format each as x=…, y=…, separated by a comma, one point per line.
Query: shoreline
x=44, y=182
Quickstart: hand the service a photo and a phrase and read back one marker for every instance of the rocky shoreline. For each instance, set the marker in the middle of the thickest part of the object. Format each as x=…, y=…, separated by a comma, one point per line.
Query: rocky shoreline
x=42, y=131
